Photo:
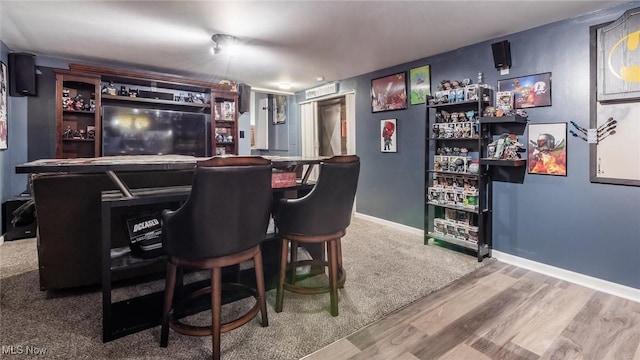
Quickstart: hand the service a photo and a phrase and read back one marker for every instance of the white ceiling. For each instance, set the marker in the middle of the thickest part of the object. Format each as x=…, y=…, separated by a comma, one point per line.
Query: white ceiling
x=284, y=41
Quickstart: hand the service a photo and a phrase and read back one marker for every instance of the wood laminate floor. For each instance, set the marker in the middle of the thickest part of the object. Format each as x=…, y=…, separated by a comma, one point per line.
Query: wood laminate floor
x=501, y=312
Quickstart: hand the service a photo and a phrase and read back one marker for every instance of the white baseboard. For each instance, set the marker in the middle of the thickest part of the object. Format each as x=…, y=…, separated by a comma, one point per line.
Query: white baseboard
x=605, y=286
x=390, y=224
x=1, y=239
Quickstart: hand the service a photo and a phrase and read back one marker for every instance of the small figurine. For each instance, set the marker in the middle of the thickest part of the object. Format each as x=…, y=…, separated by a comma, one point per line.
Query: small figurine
x=489, y=111
x=471, y=114
x=78, y=102
x=68, y=133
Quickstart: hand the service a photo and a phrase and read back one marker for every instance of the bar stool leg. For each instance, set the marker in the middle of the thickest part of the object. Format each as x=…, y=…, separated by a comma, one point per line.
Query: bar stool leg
x=216, y=305
x=333, y=275
x=257, y=265
x=169, y=289
x=284, y=250
x=339, y=246
x=294, y=260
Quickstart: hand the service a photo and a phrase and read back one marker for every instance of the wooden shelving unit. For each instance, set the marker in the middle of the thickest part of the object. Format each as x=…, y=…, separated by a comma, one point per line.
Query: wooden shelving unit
x=90, y=81
x=73, y=120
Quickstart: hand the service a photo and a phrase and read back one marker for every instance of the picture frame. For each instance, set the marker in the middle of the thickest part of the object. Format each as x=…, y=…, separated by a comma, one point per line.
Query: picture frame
x=528, y=91
x=4, y=144
x=388, y=140
x=389, y=93
x=614, y=156
x=419, y=85
x=547, y=149
x=616, y=59
x=279, y=109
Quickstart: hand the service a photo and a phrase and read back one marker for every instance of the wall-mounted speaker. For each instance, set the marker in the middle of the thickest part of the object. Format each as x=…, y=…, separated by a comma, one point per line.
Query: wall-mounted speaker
x=244, y=98
x=22, y=74
x=501, y=54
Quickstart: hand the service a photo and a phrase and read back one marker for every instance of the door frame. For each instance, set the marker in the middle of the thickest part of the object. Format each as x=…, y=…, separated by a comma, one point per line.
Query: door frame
x=350, y=103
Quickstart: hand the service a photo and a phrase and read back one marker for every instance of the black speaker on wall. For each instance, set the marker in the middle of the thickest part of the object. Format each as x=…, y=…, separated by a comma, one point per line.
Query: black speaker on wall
x=22, y=74
x=244, y=98
x=501, y=54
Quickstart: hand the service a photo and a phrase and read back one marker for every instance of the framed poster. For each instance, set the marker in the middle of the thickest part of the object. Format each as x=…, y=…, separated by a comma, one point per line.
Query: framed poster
x=389, y=93
x=419, y=85
x=614, y=156
x=547, y=149
x=279, y=109
x=388, y=141
x=3, y=107
x=528, y=91
x=617, y=58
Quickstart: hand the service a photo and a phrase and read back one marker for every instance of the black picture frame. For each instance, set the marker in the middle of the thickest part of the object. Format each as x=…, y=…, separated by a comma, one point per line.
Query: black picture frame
x=612, y=97
x=419, y=85
x=4, y=128
x=389, y=92
x=547, y=149
x=528, y=91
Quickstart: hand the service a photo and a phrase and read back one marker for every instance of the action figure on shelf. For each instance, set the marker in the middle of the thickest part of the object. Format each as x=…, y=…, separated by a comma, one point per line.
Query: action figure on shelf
x=506, y=147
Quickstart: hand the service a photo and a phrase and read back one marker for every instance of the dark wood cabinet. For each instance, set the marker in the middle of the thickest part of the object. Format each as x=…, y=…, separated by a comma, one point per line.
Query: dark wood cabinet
x=78, y=129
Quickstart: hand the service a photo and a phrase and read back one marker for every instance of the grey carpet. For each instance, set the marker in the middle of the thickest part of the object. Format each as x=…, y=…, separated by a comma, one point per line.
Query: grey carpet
x=386, y=270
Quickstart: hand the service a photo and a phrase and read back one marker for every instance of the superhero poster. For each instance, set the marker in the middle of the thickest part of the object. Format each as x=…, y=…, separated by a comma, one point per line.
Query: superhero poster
x=389, y=93
x=547, y=149
x=388, y=137
x=528, y=91
x=618, y=58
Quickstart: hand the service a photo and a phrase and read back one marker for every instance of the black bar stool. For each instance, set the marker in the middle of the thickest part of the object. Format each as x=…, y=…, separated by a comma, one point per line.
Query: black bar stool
x=222, y=223
x=321, y=216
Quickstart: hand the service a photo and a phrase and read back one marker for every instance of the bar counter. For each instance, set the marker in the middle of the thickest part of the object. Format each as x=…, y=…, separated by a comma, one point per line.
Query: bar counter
x=68, y=200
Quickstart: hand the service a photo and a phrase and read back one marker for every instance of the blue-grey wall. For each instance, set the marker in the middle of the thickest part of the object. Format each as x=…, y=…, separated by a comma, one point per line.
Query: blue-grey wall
x=11, y=184
x=567, y=222
x=284, y=139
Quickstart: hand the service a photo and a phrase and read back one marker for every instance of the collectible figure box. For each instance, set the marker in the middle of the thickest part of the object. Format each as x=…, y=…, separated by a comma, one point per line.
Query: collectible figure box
x=145, y=235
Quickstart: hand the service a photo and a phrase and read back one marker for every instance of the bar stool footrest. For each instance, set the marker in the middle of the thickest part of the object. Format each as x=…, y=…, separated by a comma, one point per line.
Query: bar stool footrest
x=193, y=330
x=342, y=276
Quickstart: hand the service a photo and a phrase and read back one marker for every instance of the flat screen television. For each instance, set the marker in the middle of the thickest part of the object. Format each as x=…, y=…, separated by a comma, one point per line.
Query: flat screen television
x=142, y=131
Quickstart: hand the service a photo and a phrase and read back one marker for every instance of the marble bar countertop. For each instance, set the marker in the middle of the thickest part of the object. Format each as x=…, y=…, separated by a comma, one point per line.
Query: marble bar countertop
x=140, y=163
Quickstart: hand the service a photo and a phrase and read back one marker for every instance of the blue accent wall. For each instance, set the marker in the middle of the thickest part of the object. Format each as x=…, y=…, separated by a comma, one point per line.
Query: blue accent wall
x=566, y=222
x=16, y=153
